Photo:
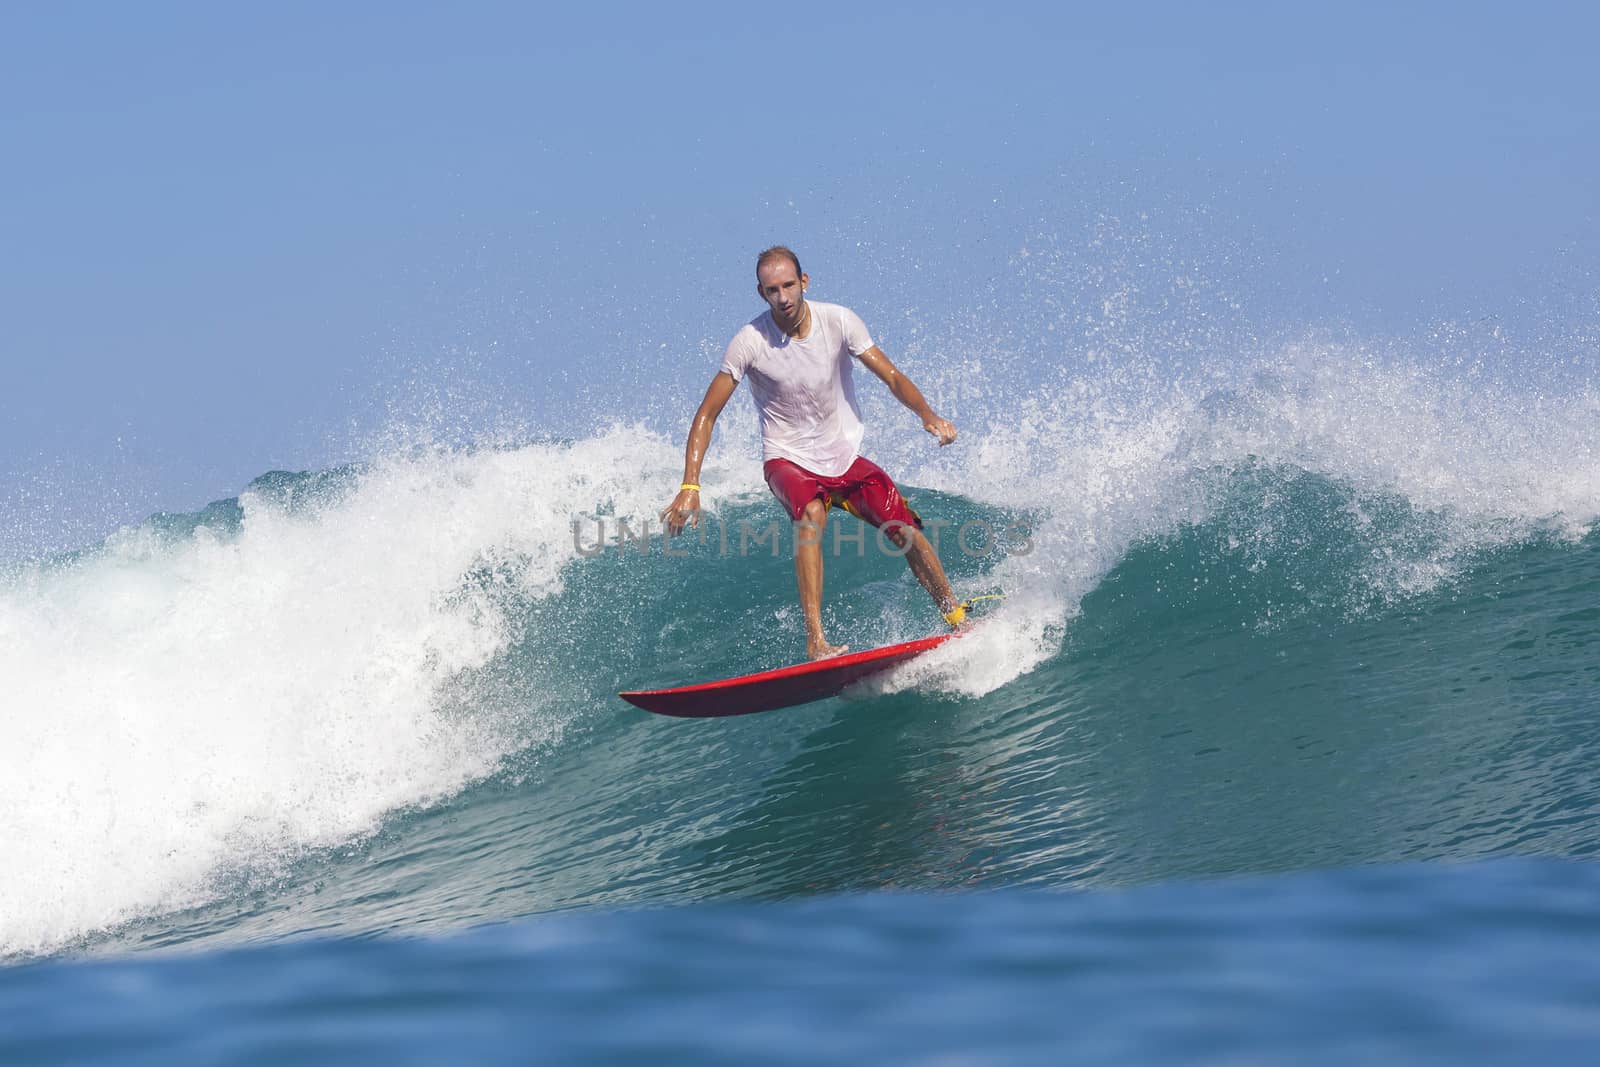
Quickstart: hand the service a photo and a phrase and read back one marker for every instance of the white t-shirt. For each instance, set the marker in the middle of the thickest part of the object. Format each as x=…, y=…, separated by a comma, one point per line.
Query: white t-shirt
x=803, y=389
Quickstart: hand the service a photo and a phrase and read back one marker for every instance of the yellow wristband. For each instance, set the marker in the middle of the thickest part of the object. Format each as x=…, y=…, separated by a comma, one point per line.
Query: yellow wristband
x=688, y=485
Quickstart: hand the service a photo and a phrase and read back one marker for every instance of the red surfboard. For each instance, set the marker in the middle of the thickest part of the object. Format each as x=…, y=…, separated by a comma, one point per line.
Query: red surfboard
x=781, y=688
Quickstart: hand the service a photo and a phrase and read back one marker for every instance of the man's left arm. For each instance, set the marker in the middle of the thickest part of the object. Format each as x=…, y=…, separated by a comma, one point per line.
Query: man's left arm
x=906, y=391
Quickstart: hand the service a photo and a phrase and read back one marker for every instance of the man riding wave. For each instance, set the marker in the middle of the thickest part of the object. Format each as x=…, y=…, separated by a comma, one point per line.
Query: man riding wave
x=798, y=357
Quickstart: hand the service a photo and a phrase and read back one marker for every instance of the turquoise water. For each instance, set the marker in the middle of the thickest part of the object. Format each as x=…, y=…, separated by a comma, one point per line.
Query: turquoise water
x=1280, y=746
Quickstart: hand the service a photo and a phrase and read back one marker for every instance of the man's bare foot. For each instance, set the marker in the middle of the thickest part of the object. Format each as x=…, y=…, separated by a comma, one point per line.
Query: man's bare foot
x=822, y=650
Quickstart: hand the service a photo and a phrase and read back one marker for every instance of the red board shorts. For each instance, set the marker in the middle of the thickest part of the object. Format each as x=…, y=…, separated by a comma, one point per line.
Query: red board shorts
x=864, y=491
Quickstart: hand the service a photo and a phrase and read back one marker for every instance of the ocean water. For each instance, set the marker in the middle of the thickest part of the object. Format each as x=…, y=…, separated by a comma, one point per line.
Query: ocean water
x=1280, y=747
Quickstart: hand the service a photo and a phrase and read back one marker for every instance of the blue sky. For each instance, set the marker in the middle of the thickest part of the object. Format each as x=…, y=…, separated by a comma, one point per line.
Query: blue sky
x=242, y=239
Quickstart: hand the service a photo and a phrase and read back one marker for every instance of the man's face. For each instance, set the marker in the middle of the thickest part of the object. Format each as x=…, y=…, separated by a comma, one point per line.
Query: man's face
x=783, y=290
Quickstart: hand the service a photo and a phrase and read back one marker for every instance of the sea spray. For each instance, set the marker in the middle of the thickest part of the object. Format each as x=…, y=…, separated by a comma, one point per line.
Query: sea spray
x=181, y=703
x=235, y=690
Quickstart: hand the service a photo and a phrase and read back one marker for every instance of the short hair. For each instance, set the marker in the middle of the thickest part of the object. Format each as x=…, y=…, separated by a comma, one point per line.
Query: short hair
x=778, y=252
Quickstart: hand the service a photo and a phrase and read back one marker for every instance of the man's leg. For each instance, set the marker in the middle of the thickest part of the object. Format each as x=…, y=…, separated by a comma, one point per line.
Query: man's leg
x=808, y=573
x=924, y=563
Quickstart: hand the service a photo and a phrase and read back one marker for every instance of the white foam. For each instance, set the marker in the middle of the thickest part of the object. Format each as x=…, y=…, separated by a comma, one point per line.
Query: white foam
x=177, y=710
x=1103, y=462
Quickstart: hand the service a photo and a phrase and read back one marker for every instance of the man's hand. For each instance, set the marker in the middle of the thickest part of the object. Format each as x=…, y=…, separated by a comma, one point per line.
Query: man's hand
x=943, y=429
x=683, y=511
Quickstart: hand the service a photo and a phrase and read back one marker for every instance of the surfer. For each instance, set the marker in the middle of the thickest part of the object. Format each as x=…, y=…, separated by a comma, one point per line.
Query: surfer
x=798, y=355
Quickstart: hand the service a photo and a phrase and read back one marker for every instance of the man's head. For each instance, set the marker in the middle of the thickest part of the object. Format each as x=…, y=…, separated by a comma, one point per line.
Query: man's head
x=782, y=285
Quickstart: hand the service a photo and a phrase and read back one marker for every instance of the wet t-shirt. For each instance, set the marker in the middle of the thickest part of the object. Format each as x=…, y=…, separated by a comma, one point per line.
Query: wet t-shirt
x=803, y=388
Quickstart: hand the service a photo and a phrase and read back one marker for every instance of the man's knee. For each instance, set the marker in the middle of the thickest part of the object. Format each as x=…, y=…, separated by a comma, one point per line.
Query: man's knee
x=808, y=527
x=901, y=534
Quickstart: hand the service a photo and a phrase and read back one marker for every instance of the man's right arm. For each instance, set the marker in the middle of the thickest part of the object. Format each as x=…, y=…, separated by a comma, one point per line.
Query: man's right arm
x=685, y=507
